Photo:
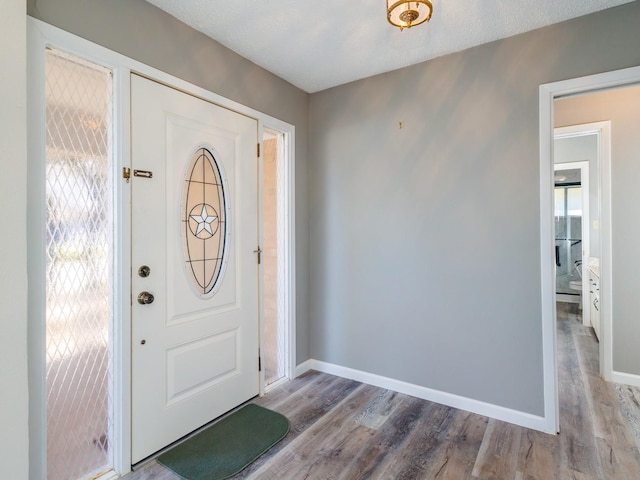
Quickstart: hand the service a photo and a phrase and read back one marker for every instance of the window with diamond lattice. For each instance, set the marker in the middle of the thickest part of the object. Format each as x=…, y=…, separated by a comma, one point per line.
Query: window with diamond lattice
x=79, y=281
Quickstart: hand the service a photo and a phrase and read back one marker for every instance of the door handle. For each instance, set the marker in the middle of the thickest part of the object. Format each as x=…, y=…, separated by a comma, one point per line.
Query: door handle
x=145, y=298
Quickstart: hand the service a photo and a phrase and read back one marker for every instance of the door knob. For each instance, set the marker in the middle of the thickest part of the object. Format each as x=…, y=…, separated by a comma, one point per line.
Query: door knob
x=144, y=271
x=145, y=298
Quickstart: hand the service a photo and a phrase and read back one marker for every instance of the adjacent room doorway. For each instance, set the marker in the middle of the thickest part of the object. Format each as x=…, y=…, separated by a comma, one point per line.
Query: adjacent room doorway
x=548, y=93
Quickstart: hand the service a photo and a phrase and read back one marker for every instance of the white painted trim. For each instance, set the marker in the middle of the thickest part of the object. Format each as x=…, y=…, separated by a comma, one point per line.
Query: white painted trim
x=261, y=245
x=122, y=258
x=547, y=94
x=586, y=225
x=287, y=214
x=451, y=400
x=40, y=35
x=36, y=256
x=625, y=378
x=547, y=270
x=304, y=367
x=286, y=241
x=606, y=252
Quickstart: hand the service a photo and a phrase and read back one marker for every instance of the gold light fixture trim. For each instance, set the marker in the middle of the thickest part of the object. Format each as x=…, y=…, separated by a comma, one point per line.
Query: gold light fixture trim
x=406, y=14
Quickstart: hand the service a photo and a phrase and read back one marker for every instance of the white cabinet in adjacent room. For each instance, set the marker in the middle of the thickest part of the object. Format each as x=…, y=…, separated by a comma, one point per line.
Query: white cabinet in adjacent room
x=594, y=299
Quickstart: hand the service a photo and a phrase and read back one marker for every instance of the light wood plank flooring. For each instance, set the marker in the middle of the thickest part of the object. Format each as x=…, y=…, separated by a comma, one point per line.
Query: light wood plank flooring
x=346, y=430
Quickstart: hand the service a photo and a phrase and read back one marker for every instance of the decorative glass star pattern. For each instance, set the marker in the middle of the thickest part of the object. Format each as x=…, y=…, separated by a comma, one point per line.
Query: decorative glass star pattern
x=204, y=213
x=204, y=220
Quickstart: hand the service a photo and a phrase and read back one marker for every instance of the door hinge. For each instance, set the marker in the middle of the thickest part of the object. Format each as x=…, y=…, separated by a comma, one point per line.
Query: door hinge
x=126, y=173
x=258, y=150
x=259, y=252
x=259, y=363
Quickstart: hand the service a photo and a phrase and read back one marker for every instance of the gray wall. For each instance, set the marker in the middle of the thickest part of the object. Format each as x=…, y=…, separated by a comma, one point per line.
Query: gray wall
x=425, y=240
x=147, y=34
x=14, y=440
x=578, y=149
x=622, y=107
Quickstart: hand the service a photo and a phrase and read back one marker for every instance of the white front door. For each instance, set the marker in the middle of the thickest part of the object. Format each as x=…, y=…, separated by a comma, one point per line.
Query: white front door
x=194, y=232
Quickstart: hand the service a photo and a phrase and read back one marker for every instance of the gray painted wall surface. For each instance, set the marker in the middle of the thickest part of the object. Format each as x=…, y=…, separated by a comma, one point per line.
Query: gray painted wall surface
x=425, y=239
x=622, y=107
x=14, y=432
x=577, y=149
x=147, y=34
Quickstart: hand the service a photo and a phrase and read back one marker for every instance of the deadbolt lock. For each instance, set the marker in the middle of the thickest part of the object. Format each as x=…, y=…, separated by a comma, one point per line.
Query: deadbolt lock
x=145, y=298
x=144, y=271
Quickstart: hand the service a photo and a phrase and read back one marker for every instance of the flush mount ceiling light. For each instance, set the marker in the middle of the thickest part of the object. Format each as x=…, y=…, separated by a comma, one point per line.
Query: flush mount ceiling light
x=406, y=14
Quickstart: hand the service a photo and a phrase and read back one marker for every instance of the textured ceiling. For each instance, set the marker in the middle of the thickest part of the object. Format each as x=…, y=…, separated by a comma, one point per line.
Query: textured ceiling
x=323, y=43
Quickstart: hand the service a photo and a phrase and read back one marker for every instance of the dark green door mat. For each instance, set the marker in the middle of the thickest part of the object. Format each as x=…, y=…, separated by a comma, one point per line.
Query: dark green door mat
x=228, y=446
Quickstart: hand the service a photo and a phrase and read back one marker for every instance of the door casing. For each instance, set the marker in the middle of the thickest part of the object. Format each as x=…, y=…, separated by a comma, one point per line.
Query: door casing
x=547, y=94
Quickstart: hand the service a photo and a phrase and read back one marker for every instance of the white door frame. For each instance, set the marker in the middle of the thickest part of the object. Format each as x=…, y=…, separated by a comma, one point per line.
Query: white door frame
x=585, y=233
x=40, y=36
x=285, y=213
x=547, y=94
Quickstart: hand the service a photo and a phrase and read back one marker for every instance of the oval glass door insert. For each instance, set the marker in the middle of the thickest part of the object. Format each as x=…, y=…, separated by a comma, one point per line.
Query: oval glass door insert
x=204, y=222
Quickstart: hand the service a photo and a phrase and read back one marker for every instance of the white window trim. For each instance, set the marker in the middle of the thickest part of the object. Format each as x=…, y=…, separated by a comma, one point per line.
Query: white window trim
x=40, y=36
x=286, y=247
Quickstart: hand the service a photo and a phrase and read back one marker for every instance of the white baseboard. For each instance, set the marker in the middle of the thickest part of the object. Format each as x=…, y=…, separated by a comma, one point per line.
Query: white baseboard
x=625, y=378
x=304, y=367
x=449, y=399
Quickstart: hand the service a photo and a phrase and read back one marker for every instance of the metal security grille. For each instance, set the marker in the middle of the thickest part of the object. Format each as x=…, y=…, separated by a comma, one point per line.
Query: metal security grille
x=79, y=269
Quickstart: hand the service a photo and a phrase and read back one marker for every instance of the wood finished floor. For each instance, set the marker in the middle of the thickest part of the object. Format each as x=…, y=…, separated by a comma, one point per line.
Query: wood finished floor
x=346, y=430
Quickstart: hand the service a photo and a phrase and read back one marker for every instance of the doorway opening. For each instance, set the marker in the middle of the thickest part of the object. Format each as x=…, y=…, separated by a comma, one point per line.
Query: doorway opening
x=575, y=204
x=578, y=151
x=549, y=93
x=274, y=238
x=79, y=267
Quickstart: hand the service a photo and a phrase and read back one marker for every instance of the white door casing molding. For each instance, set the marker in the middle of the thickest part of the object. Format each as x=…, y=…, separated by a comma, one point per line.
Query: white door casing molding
x=285, y=214
x=547, y=94
x=40, y=36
